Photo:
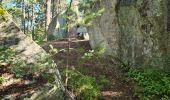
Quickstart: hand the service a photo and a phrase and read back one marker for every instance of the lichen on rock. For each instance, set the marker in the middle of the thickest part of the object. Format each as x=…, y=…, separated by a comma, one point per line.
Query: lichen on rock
x=12, y=37
x=134, y=31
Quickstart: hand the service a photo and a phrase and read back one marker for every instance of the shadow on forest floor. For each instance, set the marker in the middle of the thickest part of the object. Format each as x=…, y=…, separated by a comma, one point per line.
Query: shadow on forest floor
x=14, y=86
x=118, y=88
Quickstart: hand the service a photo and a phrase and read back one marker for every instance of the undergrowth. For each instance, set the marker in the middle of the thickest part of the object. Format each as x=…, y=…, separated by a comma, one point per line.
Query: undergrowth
x=2, y=14
x=152, y=83
x=2, y=79
x=42, y=65
x=85, y=87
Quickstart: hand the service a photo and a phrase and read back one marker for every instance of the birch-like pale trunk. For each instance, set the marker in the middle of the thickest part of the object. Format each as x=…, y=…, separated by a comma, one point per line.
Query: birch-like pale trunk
x=48, y=13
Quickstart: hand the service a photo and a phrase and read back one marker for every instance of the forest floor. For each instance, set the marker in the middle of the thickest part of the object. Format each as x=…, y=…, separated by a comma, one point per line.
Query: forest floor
x=14, y=87
x=119, y=86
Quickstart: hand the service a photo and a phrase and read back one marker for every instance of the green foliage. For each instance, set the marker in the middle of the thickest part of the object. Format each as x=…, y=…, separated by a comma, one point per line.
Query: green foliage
x=6, y=55
x=98, y=53
x=103, y=80
x=88, y=55
x=52, y=50
x=21, y=68
x=1, y=79
x=85, y=87
x=38, y=34
x=2, y=13
x=152, y=84
x=86, y=6
x=90, y=16
x=15, y=12
x=50, y=77
x=18, y=68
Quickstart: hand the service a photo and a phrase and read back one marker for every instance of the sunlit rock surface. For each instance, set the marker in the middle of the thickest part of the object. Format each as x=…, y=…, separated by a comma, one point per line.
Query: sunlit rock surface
x=135, y=31
x=12, y=37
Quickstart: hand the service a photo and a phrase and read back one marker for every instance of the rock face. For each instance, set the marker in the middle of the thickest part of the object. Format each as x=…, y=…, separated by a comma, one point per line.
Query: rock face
x=135, y=31
x=11, y=36
x=55, y=30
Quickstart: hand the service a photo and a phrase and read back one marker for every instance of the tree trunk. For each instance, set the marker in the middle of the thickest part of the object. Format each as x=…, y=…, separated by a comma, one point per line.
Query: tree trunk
x=28, y=20
x=51, y=28
x=53, y=8
x=48, y=13
x=23, y=15
x=33, y=22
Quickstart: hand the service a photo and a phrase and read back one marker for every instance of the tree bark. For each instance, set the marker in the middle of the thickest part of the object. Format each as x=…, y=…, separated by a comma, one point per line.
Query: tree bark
x=53, y=8
x=28, y=20
x=33, y=22
x=23, y=15
x=48, y=13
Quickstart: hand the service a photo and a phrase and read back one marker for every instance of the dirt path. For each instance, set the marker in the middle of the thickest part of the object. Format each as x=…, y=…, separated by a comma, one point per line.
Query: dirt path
x=118, y=88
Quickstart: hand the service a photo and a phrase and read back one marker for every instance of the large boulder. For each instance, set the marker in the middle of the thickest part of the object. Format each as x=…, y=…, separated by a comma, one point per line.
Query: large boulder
x=135, y=31
x=56, y=28
x=12, y=37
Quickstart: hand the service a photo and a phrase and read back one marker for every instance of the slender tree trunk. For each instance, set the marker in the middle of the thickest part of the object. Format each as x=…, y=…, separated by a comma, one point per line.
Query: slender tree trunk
x=23, y=15
x=33, y=22
x=45, y=17
x=28, y=20
x=43, y=7
x=48, y=16
x=69, y=43
x=48, y=13
x=53, y=8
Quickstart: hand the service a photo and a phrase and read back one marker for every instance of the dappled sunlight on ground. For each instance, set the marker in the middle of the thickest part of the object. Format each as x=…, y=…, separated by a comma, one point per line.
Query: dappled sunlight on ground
x=116, y=89
x=13, y=86
x=111, y=94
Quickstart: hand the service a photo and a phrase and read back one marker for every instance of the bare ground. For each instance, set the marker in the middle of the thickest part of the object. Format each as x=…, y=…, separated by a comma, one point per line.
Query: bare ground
x=118, y=88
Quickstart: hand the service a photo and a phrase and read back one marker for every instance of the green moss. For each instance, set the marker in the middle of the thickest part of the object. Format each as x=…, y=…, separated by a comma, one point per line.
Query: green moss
x=2, y=11
x=2, y=14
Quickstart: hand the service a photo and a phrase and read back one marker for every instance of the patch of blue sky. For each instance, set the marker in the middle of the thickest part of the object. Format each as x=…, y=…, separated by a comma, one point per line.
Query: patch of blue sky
x=12, y=4
x=8, y=4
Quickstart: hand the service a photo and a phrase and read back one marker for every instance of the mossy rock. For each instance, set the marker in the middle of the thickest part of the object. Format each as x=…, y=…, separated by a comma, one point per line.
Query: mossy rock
x=3, y=13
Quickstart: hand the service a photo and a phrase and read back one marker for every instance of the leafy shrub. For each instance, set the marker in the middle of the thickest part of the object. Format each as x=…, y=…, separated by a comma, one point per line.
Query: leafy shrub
x=37, y=35
x=2, y=11
x=20, y=68
x=87, y=88
x=52, y=50
x=50, y=77
x=152, y=84
x=98, y=53
x=1, y=79
x=103, y=80
x=6, y=55
x=2, y=14
x=84, y=87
